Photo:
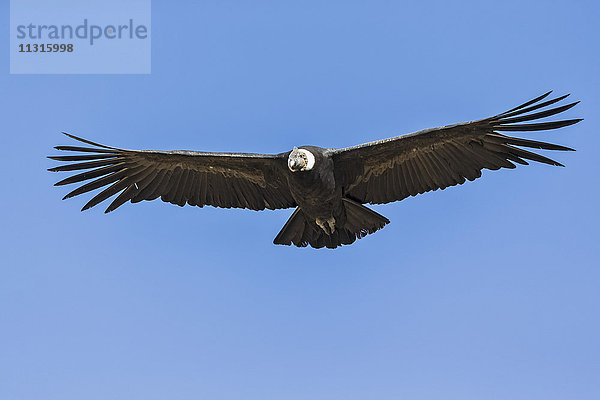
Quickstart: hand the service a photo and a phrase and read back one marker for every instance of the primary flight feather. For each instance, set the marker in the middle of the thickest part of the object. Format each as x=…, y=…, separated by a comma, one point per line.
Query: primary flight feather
x=328, y=187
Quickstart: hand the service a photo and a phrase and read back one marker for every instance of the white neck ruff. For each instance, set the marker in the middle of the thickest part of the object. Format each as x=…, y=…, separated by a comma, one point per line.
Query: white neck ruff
x=310, y=160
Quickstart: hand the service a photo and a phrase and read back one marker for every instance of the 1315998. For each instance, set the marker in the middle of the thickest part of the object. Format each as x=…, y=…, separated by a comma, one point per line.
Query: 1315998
x=45, y=48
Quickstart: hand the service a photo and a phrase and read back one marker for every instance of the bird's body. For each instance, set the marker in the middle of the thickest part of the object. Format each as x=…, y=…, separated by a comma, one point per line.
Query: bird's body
x=314, y=190
x=328, y=187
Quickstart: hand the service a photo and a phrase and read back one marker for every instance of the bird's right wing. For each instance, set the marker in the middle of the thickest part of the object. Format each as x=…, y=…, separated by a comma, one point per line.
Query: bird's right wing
x=392, y=169
x=240, y=180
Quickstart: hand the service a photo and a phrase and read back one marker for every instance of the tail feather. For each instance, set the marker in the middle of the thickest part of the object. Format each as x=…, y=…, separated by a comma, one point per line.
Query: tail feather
x=357, y=222
x=293, y=230
x=362, y=220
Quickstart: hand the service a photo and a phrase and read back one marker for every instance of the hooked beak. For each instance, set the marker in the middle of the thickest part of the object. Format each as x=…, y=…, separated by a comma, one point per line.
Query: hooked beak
x=296, y=164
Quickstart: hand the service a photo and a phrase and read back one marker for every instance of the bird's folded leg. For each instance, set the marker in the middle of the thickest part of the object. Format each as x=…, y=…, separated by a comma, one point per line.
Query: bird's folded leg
x=328, y=225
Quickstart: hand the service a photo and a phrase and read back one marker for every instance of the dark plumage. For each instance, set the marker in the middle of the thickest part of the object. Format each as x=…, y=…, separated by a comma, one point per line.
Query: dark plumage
x=327, y=186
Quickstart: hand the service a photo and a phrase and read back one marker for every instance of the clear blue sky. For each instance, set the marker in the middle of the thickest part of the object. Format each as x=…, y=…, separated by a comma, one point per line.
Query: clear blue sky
x=483, y=291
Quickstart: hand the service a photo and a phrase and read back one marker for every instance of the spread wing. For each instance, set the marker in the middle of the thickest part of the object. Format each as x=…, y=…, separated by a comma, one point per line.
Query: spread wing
x=392, y=169
x=240, y=180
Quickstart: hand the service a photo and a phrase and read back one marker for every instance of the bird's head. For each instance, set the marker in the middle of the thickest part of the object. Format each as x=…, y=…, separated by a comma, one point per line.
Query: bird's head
x=301, y=160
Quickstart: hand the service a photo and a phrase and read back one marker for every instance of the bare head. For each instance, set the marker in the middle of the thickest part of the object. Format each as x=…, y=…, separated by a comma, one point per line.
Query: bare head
x=301, y=160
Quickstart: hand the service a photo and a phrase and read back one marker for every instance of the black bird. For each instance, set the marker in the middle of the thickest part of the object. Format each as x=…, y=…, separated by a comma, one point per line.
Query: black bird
x=328, y=187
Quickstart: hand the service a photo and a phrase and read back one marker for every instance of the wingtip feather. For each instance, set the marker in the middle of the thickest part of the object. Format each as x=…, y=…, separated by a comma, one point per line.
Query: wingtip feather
x=88, y=141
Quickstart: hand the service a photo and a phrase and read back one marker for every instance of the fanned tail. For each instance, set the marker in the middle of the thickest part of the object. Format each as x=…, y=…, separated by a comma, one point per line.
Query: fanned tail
x=358, y=222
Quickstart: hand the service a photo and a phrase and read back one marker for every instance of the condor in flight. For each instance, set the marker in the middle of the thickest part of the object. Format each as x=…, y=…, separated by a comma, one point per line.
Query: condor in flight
x=327, y=187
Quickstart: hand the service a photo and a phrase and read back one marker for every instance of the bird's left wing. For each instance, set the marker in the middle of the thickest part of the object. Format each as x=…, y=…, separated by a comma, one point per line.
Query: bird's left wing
x=392, y=169
x=241, y=180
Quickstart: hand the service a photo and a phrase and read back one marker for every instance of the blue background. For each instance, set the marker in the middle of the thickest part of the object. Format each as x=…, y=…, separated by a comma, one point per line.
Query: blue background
x=483, y=291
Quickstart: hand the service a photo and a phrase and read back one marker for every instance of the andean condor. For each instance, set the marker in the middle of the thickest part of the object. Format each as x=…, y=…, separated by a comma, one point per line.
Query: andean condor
x=328, y=187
